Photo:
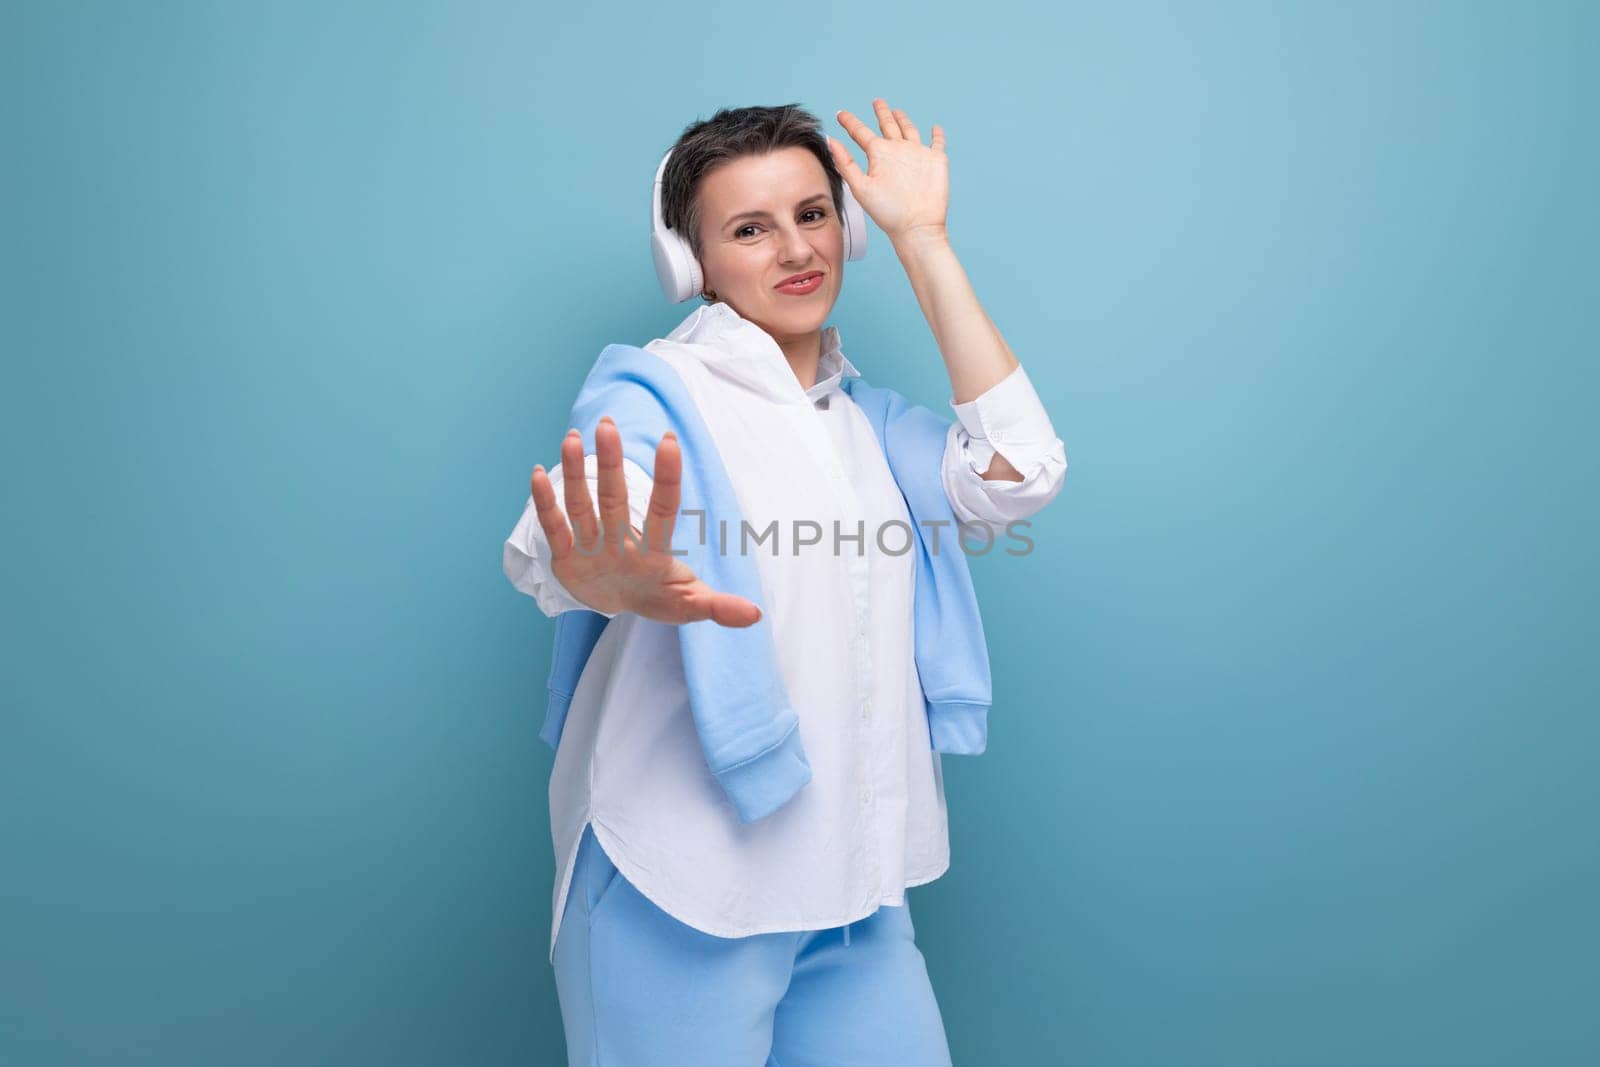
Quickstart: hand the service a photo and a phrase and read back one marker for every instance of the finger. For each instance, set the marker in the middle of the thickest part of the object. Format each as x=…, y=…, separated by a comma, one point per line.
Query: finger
x=886, y=119
x=846, y=163
x=938, y=138
x=907, y=127
x=614, y=523
x=856, y=128
x=551, y=519
x=586, y=528
x=662, y=514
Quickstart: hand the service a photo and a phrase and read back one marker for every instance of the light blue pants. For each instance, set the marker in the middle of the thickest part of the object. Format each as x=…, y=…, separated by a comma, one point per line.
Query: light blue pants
x=639, y=988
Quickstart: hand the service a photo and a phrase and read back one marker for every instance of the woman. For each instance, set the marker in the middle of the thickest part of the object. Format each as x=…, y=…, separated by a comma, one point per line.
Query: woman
x=687, y=929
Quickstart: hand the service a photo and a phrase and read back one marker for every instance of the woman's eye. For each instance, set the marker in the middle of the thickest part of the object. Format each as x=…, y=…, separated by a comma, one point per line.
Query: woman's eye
x=820, y=213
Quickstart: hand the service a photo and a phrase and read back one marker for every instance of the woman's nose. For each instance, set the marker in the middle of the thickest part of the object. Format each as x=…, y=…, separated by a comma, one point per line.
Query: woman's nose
x=795, y=248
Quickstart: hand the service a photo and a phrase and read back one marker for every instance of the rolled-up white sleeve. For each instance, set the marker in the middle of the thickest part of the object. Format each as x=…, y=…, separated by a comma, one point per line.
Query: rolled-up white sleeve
x=526, y=556
x=1010, y=419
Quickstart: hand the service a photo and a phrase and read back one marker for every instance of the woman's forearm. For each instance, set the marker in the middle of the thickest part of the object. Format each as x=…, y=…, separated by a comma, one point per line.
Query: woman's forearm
x=975, y=355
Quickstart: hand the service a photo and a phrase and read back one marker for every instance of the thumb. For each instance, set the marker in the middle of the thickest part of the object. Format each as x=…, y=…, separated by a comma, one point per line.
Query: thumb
x=845, y=162
x=735, y=611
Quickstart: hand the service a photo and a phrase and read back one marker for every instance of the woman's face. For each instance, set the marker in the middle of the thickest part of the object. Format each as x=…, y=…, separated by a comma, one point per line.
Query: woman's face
x=764, y=219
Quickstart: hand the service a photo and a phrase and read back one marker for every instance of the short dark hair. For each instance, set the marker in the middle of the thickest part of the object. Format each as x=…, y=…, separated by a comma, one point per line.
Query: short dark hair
x=733, y=132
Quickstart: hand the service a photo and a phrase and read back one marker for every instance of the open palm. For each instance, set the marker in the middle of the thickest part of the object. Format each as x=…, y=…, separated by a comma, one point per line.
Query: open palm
x=610, y=565
x=907, y=186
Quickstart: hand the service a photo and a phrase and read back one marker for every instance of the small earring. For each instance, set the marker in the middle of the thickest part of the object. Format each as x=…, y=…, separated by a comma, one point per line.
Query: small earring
x=709, y=297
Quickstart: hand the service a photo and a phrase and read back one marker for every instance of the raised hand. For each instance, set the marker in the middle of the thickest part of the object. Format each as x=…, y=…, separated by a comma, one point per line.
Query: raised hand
x=906, y=191
x=619, y=568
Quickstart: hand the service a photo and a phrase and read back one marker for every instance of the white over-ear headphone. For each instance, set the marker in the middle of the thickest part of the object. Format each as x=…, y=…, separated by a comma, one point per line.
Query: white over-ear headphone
x=679, y=272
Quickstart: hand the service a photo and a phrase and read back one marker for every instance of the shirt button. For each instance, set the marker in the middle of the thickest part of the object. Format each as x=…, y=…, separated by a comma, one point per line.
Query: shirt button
x=866, y=794
x=866, y=709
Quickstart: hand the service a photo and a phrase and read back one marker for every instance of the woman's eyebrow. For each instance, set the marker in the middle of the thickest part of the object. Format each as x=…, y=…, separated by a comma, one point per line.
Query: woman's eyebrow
x=768, y=214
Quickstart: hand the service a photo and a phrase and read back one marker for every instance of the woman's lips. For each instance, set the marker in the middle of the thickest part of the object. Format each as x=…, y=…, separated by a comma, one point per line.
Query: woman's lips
x=800, y=288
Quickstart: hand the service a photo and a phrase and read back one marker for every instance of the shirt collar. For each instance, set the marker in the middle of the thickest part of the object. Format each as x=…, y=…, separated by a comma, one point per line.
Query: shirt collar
x=831, y=367
x=740, y=349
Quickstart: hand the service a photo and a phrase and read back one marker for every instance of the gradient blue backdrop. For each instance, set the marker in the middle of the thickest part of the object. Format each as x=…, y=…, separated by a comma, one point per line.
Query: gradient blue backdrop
x=1292, y=755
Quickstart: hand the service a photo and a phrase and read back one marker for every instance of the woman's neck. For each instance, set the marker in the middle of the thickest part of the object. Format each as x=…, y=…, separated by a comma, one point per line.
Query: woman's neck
x=804, y=354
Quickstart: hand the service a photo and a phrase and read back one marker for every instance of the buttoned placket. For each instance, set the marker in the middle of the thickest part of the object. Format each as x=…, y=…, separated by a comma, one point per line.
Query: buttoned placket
x=861, y=589
x=854, y=556
x=808, y=421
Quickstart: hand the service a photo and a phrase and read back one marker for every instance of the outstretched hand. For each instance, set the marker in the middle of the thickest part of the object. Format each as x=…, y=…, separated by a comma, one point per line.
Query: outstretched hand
x=907, y=189
x=610, y=565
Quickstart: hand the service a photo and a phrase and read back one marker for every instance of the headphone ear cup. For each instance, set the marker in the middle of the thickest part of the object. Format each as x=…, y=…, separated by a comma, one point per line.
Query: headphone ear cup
x=676, y=268
x=855, y=225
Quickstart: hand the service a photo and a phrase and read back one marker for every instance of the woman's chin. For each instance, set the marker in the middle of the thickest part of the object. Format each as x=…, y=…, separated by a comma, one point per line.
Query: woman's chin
x=798, y=315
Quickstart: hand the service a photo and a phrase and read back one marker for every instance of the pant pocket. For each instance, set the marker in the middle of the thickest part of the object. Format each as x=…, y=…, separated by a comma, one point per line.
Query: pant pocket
x=600, y=875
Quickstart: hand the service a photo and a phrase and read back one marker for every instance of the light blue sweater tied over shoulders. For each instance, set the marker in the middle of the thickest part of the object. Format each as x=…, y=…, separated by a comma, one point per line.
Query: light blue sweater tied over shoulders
x=748, y=730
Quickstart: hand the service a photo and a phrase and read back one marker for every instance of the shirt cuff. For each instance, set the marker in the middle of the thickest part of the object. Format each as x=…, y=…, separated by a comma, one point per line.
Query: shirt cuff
x=1008, y=417
x=525, y=559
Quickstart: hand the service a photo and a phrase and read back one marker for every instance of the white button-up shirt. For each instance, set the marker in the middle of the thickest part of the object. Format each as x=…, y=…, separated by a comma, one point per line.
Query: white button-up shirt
x=872, y=821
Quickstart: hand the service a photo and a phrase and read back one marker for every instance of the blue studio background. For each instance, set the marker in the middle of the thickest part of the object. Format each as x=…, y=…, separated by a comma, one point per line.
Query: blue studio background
x=1295, y=722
